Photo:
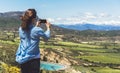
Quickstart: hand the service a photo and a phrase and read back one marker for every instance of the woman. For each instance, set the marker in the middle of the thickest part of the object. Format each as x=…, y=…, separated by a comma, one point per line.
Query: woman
x=28, y=54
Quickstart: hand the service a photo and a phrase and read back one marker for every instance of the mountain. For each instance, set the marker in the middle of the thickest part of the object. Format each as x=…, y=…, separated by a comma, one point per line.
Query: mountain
x=12, y=14
x=90, y=27
x=15, y=15
x=10, y=22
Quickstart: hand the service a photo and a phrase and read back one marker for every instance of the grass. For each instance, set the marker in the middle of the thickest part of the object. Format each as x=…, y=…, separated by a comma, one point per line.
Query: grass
x=107, y=70
x=83, y=69
x=92, y=53
x=96, y=69
x=96, y=53
x=71, y=44
x=101, y=59
x=10, y=42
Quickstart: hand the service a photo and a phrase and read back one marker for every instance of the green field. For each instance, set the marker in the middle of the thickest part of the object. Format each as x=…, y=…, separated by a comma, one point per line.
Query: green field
x=105, y=59
x=94, y=54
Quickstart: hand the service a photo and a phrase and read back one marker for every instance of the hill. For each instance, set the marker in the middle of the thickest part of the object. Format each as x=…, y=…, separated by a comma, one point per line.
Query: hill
x=14, y=14
x=91, y=27
x=10, y=21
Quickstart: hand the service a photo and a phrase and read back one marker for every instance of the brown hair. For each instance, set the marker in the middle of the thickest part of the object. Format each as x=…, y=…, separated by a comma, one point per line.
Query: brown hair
x=27, y=19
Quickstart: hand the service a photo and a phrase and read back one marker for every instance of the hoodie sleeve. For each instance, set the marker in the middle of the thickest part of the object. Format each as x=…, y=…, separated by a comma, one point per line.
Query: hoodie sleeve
x=41, y=33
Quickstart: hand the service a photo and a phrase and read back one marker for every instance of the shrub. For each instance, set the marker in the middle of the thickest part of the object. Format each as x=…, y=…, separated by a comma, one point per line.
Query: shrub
x=8, y=69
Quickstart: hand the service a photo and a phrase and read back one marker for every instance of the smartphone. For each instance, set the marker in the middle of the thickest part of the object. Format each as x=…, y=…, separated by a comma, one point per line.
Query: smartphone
x=43, y=20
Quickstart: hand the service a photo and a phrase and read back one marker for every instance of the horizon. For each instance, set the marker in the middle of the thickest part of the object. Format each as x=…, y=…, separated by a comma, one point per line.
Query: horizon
x=69, y=11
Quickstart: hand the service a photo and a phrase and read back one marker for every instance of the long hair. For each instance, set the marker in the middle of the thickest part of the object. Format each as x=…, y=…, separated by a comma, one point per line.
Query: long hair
x=27, y=19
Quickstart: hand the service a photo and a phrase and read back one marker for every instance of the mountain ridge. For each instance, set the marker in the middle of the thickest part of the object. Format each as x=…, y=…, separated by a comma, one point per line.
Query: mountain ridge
x=12, y=23
x=11, y=14
x=84, y=26
x=88, y=26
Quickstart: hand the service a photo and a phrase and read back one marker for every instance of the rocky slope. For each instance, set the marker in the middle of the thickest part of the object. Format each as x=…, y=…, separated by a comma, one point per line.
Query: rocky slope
x=58, y=56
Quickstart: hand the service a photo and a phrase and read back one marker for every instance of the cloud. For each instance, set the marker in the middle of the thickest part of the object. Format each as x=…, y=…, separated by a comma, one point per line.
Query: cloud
x=89, y=15
x=98, y=19
x=101, y=15
x=110, y=22
x=51, y=19
x=119, y=17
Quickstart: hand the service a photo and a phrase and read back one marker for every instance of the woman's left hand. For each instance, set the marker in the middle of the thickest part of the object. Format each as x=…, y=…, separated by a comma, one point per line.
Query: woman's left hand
x=38, y=23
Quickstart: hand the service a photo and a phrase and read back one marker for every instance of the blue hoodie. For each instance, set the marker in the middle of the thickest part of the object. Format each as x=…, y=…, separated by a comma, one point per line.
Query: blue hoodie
x=29, y=43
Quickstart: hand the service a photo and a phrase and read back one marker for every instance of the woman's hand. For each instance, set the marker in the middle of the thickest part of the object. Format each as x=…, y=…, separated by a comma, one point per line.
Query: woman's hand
x=38, y=23
x=48, y=25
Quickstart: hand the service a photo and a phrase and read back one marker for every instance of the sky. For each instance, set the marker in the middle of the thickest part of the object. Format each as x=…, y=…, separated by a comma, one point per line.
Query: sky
x=69, y=11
